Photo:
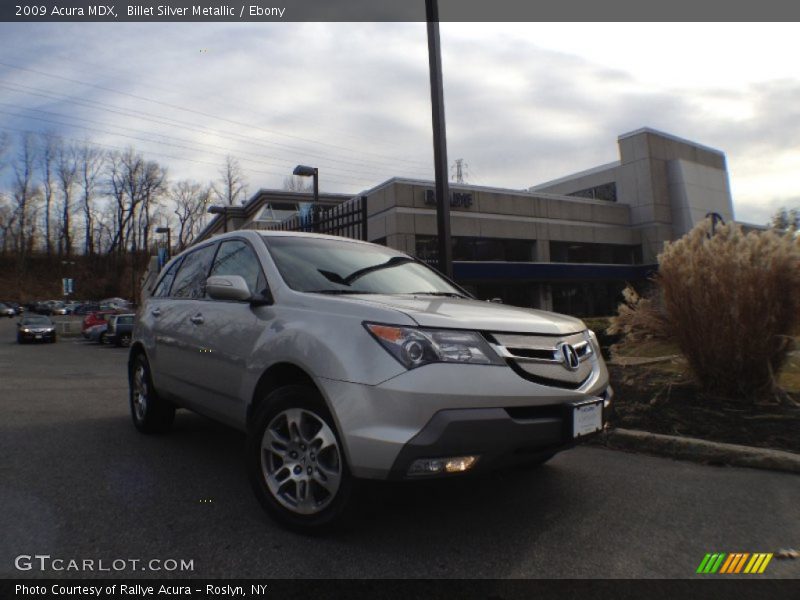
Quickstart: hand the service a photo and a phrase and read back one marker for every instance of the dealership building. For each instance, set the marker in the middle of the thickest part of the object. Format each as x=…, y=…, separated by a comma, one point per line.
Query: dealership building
x=569, y=245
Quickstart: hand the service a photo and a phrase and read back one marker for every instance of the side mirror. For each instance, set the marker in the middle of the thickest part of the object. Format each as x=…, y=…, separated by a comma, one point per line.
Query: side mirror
x=228, y=287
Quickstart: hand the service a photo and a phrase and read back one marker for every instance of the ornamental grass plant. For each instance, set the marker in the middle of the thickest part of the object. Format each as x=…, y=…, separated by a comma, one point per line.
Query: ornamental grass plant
x=730, y=302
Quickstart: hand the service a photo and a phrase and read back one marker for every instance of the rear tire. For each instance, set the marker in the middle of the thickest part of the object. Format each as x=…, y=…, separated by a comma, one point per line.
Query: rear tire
x=296, y=462
x=150, y=413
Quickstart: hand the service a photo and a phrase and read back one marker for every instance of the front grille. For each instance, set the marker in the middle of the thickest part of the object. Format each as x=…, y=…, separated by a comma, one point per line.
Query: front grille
x=548, y=360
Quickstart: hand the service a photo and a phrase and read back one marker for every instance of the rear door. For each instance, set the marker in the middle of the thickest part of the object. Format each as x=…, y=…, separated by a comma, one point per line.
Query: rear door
x=175, y=319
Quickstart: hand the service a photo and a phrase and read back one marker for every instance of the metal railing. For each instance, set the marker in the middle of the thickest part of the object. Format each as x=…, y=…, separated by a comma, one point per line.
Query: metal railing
x=348, y=219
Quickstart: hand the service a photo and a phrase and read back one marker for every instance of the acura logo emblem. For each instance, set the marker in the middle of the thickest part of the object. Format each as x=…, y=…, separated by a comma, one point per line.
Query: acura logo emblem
x=568, y=355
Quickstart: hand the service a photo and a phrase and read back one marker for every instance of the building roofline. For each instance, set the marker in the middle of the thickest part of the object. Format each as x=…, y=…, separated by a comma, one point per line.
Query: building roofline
x=565, y=178
x=668, y=136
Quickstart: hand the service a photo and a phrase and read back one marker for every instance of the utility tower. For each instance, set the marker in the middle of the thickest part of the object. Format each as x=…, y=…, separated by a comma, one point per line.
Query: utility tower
x=460, y=168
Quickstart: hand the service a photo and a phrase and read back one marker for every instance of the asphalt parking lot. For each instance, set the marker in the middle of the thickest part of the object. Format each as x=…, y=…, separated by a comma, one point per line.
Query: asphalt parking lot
x=77, y=481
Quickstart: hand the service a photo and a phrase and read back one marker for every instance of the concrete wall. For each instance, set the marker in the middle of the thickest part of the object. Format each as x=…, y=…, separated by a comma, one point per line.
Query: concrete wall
x=398, y=212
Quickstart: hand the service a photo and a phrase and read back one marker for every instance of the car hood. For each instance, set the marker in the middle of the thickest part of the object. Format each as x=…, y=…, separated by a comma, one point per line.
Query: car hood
x=462, y=313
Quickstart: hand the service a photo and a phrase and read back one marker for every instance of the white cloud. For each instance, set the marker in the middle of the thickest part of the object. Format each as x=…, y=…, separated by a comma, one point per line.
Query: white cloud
x=525, y=102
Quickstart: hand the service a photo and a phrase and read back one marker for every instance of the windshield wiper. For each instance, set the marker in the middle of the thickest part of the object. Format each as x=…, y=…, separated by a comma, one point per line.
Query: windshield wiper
x=445, y=294
x=356, y=275
x=337, y=292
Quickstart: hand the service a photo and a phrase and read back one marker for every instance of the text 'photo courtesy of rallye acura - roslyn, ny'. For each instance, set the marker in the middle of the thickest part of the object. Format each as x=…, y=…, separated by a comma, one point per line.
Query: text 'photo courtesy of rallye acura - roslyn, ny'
x=344, y=360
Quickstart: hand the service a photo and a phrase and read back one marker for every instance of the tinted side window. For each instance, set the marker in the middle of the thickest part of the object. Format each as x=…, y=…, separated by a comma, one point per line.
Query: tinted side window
x=162, y=289
x=236, y=257
x=191, y=279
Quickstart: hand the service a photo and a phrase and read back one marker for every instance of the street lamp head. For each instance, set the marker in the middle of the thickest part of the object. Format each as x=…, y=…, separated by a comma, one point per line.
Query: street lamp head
x=304, y=171
x=162, y=229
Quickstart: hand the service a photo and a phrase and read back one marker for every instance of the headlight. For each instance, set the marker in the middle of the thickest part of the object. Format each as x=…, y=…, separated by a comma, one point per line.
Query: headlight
x=25, y=330
x=414, y=347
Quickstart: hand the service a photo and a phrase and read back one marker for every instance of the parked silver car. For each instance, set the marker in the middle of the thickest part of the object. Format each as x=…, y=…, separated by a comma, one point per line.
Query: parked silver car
x=345, y=360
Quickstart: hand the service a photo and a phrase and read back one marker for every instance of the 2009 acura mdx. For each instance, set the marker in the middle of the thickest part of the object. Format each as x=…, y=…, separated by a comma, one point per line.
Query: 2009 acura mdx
x=343, y=360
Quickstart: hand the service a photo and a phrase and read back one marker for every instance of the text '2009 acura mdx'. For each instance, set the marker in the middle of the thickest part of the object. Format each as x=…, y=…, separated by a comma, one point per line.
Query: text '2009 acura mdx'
x=343, y=360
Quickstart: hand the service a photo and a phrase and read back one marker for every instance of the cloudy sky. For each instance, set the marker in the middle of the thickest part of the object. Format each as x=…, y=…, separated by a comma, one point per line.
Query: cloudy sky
x=525, y=102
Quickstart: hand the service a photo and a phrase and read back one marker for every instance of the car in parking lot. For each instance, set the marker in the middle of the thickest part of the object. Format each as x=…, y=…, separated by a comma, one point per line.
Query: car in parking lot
x=96, y=333
x=99, y=317
x=119, y=329
x=342, y=360
x=7, y=311
x=36, y=328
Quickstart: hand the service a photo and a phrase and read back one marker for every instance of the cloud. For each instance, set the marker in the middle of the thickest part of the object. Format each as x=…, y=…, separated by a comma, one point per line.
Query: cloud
x=353, y=99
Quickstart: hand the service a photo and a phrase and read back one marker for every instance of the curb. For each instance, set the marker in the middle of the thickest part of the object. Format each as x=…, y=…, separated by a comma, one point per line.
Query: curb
x=716, y=453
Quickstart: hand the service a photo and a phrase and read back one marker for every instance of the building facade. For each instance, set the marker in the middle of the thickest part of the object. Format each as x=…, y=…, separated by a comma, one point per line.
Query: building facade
x=568, y=245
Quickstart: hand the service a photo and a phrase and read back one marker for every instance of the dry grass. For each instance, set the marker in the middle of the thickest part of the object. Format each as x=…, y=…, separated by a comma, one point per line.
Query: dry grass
x=729, y=302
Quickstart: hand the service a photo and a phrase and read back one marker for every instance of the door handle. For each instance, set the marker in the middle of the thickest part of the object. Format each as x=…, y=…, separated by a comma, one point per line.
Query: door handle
x=197, y=319
x=156, y=312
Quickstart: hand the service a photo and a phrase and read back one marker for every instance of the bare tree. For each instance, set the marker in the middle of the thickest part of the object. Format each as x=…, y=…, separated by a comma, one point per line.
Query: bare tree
x=231, y=188
x=296, y=183
x=67, y=170
x=47, y=165
x=23, y=192
x=153, y=186
x=8, y=220
x=90, y=165
x=786, y=220
x=191, y=203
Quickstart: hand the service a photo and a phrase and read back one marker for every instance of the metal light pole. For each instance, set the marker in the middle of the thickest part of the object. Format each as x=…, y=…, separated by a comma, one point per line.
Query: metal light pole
x=439, y=140
x=306, y=171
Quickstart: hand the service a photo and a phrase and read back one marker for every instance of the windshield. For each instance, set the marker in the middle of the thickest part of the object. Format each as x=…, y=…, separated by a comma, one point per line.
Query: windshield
x=36, y=321
x=341, y=267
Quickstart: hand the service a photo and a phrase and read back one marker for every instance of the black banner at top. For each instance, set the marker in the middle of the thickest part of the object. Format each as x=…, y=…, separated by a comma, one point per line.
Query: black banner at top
x=397, y=10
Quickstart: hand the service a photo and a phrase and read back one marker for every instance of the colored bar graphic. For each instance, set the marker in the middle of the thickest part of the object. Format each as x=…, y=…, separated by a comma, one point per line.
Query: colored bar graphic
x=740, y=564
x=765, y=563
x=703, y=563
x=727, y=564
x=734, y=563
x=718, y=562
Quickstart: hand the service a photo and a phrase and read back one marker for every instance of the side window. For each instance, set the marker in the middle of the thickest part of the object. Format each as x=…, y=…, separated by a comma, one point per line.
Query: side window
x=191, y=279
x=162, y=289
x=236, y=257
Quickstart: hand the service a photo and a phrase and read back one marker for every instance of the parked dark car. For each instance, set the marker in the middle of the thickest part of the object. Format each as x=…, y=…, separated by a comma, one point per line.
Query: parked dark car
x=36, y=328
x=119, y=330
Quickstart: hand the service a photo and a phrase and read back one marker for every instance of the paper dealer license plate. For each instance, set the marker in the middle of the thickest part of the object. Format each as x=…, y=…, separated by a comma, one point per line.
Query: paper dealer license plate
x=587, y=418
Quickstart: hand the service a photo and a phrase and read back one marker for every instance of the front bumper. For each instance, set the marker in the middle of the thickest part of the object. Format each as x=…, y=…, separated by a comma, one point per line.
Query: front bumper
x=38, y=337
x=498, y=436
x=446, y=410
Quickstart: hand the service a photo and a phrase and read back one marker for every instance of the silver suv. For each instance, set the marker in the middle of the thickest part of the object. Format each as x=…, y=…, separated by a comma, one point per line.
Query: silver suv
x=344, y=360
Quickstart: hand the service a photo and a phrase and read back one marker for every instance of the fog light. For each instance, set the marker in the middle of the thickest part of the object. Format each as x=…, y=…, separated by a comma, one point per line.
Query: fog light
x=432, y=466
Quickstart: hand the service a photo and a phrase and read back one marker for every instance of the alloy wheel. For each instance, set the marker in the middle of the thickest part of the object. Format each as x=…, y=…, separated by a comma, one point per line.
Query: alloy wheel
x=301, y=461
x=140, y=392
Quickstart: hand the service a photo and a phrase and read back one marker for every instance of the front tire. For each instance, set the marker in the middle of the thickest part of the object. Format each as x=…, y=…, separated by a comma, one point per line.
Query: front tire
x=150, y=413
x=296, y=462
